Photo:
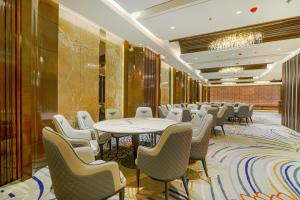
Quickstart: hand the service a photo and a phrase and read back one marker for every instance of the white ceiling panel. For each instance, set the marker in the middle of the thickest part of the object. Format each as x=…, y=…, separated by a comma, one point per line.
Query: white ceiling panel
x=194, y=20
x=138, y=5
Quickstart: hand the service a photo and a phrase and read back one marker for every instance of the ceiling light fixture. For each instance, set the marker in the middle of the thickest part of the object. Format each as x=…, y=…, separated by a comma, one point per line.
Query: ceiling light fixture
x=239, y=12
x=231, y=69
x=236, y=41
x=172, y=27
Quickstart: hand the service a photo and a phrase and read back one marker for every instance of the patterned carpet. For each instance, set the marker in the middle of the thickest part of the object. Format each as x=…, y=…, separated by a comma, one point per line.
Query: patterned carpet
x=259, y=161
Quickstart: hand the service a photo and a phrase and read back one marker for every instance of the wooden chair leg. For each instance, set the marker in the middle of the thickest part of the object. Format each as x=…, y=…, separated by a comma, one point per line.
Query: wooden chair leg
x=214, y=132
x=251, y=120
x=117, y=141
x=185, y=186
x=247, y=120
x=122, y=194
x=166, y=191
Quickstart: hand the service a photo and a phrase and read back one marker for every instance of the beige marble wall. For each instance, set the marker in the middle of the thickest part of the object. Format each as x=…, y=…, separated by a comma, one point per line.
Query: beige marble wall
x=113, y=72
x=78, y=66
x=165, y=83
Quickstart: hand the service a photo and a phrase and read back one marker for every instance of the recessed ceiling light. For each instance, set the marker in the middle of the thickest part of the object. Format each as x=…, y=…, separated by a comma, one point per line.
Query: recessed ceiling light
x=239, y=12
x=172, y=27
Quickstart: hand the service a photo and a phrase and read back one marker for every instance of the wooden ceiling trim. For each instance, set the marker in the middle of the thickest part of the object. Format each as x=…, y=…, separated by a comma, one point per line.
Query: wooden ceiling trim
x=246, y=67
x=272, y=31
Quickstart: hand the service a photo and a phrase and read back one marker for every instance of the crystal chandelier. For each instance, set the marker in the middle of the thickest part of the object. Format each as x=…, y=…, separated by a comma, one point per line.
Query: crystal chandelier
x=236, y=41
x=231, y=69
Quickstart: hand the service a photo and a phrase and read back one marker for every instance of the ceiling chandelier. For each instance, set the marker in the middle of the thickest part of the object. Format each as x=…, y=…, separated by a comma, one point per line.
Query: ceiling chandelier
x=231, y=69
x=235, y=41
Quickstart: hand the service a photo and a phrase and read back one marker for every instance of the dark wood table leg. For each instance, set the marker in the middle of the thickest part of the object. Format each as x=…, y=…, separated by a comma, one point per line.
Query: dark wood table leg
x=135, y=143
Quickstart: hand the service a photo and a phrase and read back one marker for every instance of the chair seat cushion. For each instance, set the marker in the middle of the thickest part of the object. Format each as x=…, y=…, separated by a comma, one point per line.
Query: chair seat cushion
x=97, y=162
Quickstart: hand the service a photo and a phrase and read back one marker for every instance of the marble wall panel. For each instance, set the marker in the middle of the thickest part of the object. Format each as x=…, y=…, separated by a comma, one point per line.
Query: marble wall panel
x=114, y=76
x=78, y=66
x=165, y=83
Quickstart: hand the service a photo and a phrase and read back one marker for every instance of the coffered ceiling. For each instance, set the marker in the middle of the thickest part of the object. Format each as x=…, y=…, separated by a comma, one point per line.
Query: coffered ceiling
x=162, y=21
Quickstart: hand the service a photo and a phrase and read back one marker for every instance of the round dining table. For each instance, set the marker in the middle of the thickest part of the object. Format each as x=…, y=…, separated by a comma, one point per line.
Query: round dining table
x=134, y=127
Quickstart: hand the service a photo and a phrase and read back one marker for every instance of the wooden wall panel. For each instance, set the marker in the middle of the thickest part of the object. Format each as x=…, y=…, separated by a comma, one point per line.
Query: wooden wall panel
x=151, y=80
x=267, y=96
x=290, y=100
x=9, y=92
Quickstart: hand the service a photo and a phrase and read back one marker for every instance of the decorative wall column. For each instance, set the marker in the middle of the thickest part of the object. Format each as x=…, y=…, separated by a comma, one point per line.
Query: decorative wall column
x=290, y=97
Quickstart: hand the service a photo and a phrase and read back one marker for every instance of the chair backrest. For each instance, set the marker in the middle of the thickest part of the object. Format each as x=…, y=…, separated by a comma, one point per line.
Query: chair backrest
x=84, y=119
x=201, y=134
x=222, y=115
x=112, y=113
x=193, y=106
x=243, y=111
x=62, y=126
x=177, y=106
x=173, y=152
x=230, y=110
x=214, y=112
x=62, y=162
x=162, y=111
x=197, y=121
x=175, y=114
x=186, y=115
x=143, y=112
x=169, y=107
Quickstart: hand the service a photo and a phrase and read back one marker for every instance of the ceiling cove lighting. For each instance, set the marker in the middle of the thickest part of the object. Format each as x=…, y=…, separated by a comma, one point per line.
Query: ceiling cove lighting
x=231, y=69
x=236, y=41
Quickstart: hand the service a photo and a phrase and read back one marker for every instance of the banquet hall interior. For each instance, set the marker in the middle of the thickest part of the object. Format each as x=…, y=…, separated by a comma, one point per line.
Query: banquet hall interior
x=150, y=99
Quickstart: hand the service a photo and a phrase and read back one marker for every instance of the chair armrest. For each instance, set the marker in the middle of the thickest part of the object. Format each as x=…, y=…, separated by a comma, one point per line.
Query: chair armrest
x=86, y=154
x=82, y=134
x=79, y=142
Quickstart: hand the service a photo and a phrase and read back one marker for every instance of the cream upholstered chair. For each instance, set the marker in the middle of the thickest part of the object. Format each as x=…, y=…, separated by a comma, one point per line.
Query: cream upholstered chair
x=243, y=112
x=73, y=178
x=251, y=111
x=175, y=114
x=186, y=115
x=202, y=124
x=193, y=106
x=230, y=112
x=169, y=159
x=162, y=111
x=221, y=117
x=82, y=147
x=169, y=107
x=214, y=112
x=177, y=106
x=86, y=122
x=64, y=128
x=114, y=113
x=143, y=112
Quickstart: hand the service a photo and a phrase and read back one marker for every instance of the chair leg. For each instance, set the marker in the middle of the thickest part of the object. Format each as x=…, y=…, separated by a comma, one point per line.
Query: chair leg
x=101, y=151
x=109, y=143
x=117, y=141
x=247, y=120
x=185, y=186
x=204, y=166
x=213, y=129
x=122, y=194
x=138, y=178
x=166, y=191
x=251, y=120
x=222, y=126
